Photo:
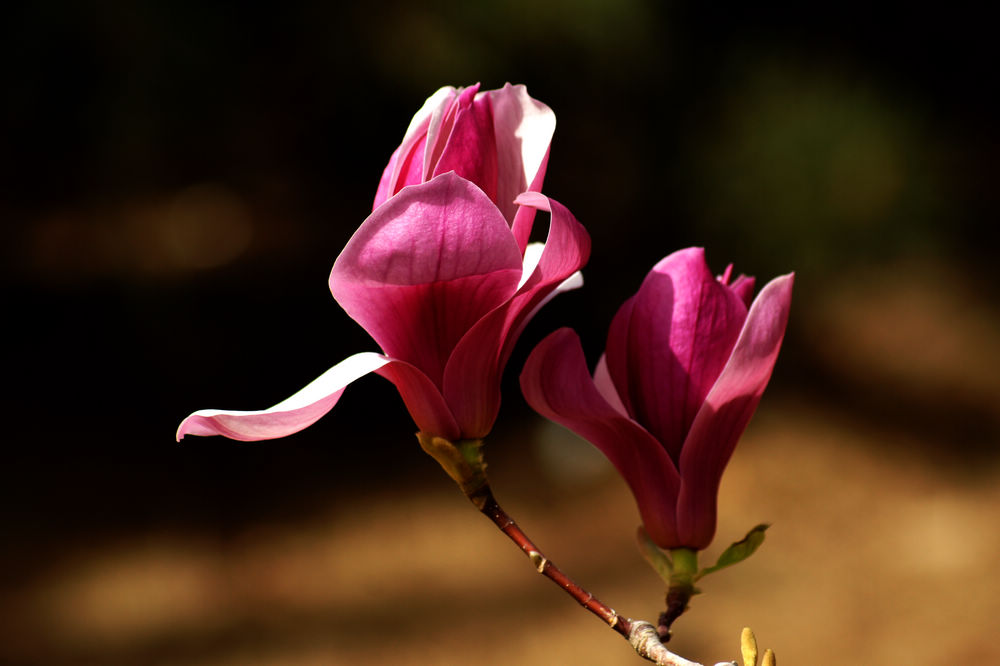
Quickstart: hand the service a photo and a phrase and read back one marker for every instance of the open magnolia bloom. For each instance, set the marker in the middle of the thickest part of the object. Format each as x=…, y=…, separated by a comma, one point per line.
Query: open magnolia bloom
x=686, y=362
x=437, y=278
x=498, y=139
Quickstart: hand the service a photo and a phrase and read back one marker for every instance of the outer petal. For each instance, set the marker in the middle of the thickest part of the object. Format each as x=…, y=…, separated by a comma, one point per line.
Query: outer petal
x=683, y=326
x=425, y=267
x=556, y=383
x=566, y=251
x=728, y=409
x=289, y=416
x=524, y=129
x=406, y=167
x=472, y=376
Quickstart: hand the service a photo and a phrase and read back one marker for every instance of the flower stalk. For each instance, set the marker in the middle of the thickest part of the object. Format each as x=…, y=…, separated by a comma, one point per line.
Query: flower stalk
x=681, y=588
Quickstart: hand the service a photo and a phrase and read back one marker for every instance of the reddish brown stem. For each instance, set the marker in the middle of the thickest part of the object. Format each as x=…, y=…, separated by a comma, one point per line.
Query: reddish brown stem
x=463, y=462
x=544, y=566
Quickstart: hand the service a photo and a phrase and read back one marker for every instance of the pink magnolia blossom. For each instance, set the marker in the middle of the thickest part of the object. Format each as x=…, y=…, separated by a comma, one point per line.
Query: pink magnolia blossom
x=686, y=362
x=437, y=277
x=498, y=139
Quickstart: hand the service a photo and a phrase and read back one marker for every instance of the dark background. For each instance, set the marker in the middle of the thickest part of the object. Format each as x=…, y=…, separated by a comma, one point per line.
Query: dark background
x=176, y=180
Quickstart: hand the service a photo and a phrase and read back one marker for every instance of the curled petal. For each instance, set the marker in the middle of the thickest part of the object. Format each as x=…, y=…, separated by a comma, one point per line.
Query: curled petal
x=565, y=252
x=556, y=383
x=289, y=416
x=727, y=410
x=472, y=376
x=425, y=267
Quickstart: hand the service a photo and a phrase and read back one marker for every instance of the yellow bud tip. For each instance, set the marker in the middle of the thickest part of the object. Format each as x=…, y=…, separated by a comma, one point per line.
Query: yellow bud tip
x=748, y=646
x=769, y=659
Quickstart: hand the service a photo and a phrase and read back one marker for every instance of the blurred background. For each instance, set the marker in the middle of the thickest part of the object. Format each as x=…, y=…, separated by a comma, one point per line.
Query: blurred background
x=176, y=180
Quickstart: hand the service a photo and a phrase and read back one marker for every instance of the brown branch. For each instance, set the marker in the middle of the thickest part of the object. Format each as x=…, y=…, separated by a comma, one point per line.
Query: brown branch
x=464, y=464
x=640, y=634
x=492, y=510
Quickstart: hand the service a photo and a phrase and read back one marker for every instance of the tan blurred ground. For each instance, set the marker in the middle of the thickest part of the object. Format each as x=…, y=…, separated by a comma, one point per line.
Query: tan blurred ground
x=873, y=558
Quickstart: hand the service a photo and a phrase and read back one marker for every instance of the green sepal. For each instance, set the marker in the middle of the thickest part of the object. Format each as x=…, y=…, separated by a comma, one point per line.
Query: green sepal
x=658, y=558
x=738, y=551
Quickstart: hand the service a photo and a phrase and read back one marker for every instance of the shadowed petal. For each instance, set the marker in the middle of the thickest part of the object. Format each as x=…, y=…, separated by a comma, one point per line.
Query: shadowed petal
x=556, y=383
x=425, y=267
x=606, y=387
x=289, y=416
x=616, y=353
x=743, y=287
x=727, y=410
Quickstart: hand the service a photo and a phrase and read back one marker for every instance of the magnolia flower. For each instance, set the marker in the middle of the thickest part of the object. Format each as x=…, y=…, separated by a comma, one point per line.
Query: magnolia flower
x=498, y=139
x=437, y=277
x=687, y=360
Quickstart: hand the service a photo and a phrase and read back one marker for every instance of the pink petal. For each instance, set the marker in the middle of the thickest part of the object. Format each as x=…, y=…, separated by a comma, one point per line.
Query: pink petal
x=727, y=410
x=681, y=332
x=289, y=416
x=472, y=376
x=524, y=128
x=425, y=267
x=556, y=383
x=471, y=149
x=442, y=120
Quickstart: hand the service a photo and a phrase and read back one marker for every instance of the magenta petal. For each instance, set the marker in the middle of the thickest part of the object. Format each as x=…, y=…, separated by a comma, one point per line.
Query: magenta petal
x=472, y=376
x=524, y=128
x=682, y=330
x=289, y=416
x=424, y=267
x=727, y=410
x=556, y=383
